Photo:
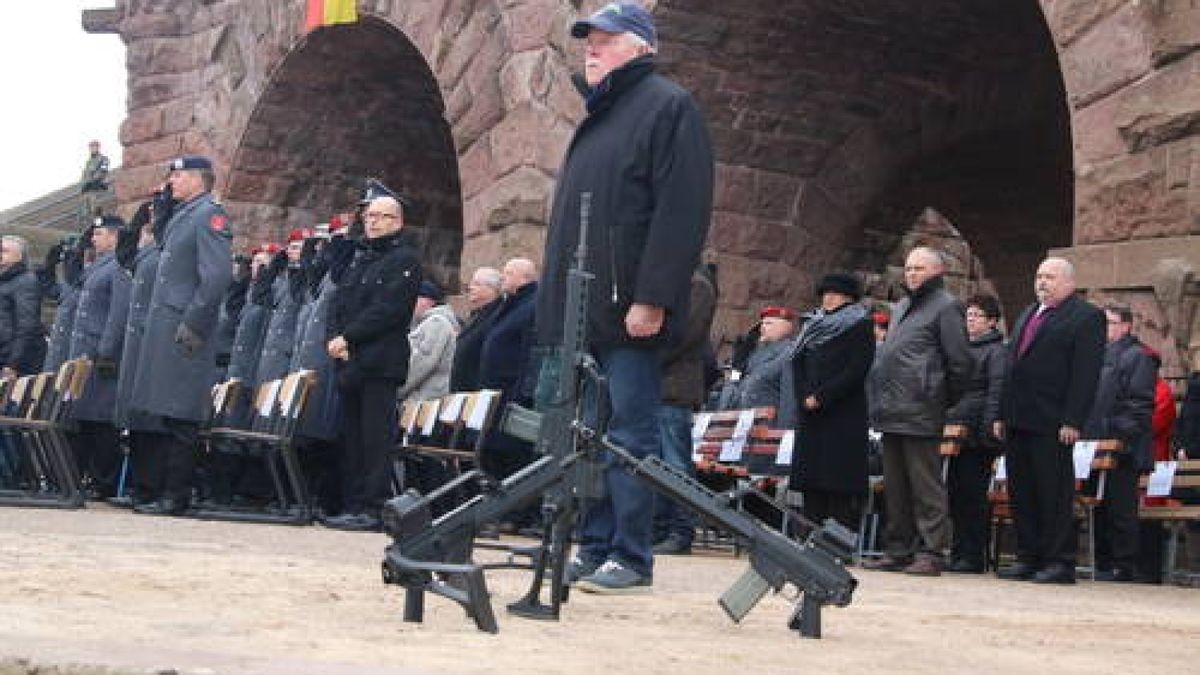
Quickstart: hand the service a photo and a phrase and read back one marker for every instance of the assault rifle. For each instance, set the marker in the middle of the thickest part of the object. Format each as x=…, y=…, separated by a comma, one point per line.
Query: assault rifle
x=434, y=555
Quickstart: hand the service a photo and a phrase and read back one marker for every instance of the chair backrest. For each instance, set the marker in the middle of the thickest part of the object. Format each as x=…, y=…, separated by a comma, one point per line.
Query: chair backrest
x=408, y=420
x=18, y=398
x=40, y=393
x=60, y=400
x=427, y=416
x=266, y=403
x=728, y=436
x=293, y=398
x=225, y=398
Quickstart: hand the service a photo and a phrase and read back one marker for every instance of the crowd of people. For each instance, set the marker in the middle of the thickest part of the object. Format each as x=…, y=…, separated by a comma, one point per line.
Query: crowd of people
x=164, y=309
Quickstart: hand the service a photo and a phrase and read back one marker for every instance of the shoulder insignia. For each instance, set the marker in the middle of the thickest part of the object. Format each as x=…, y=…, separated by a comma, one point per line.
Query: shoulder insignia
x=218, y=222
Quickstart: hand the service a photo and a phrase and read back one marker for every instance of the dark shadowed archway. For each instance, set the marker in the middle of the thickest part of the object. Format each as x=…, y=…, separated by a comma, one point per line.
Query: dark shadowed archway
x=836, y=122
x=347, y=103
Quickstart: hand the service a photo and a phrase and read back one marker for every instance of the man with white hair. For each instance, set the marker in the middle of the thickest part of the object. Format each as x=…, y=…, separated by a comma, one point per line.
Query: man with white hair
x=22, y=342
x=644, y=155
x=1054, y=365
x=483, y=301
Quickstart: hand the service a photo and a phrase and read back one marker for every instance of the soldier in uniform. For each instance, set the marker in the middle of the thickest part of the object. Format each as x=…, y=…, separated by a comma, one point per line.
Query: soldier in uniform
x=178, y=352
x=94, y=178
x=66, y=294
x=98, y=333
x=145, y=431
x=289, y=296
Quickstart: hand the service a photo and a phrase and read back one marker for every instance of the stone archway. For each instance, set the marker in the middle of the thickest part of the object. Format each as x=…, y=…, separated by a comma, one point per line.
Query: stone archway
x=350, y=102
x=836, y=120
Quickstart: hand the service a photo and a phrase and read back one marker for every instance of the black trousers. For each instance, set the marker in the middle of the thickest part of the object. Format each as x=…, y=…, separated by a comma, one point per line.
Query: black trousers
x=1041, y=481
x=147, y=451
x=180, y=457
x=98, y=454
x=369, y=432
x=967, y=483
x=1117, y=532
x=844, y=508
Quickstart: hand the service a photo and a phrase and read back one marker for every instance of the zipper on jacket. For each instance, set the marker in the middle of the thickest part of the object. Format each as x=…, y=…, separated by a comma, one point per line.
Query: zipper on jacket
x=612, y=264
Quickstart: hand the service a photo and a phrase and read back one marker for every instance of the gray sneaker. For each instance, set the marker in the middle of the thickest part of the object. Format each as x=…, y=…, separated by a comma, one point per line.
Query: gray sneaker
x=579, y=568
x=613, y=578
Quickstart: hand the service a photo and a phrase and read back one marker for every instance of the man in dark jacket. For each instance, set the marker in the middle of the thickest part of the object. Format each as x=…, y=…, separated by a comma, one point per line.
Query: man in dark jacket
x=483, y=300
x=644, y=156
x=98, y=334
x=22, y=337
x=178, y=356
x=370, y=313
x=1123, y=410
x=683, y=391
x=978, y=410
x=505, y=357
x=923, y=368
x=830, y=364
x=1054, y=363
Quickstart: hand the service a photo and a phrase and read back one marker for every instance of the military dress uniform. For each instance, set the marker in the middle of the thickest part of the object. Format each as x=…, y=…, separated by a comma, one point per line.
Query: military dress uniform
x=98, y=333
x=174, y=382
x=145, y=431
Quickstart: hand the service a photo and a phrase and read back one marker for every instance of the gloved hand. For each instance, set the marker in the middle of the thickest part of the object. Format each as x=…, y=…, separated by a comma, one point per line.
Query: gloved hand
x=278, y=263
x=53, y=256
x=188, y=340
x=106, y=369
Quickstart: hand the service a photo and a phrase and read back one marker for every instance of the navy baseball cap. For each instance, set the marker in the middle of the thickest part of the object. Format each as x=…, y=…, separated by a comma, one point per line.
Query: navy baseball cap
x=190, y=162
x=109, y=222
x=430, y=290
x=619, y=17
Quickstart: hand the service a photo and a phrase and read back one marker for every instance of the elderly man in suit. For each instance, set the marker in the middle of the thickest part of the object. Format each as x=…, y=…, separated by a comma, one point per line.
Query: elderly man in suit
x=1054, y=366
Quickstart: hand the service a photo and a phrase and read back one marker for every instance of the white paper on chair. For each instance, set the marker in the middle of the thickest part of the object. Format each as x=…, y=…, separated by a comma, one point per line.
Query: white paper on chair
x=483, y=402
x=744, y=423
x=268, y=401
x=699, y=428
x=1083, y=453
x=430, y=419
x=1159, y=483
x=731, y=450
x=1001, y=469
x=453, y=409
x=784, y=456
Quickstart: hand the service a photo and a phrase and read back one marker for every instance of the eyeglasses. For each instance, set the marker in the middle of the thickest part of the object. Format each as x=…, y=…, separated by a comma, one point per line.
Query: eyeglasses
x=376, y=215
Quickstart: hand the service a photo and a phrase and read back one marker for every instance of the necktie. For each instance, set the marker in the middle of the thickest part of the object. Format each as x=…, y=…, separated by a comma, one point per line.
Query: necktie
x=1031, y=328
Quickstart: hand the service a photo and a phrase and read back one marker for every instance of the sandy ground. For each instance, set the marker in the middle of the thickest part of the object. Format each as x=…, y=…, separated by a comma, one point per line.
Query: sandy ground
x=107, y=588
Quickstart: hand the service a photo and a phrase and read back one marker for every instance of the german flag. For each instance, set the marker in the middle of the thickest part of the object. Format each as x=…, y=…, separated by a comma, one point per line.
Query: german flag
x=329, y=12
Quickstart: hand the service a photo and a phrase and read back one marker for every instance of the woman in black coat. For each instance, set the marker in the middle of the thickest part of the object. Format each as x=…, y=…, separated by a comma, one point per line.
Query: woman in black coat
x=830, y=364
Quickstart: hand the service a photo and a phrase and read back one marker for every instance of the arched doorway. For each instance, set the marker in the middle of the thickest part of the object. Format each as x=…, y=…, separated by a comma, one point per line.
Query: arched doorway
x=350, y=102
x=836, y=123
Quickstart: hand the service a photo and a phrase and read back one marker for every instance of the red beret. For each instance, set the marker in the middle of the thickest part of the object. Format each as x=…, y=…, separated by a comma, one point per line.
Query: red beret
x=881, y=318
x=336, y=224
x=299, y=234
x=773, y=312
x=268, y=247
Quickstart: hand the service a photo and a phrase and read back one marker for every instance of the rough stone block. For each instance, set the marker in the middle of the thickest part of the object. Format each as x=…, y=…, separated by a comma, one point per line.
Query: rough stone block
x=141, y=125
x=522, y=196
x=1068, y=19
x=475, y=169
x=1113, y=53
x=516, y=139
x=1163, y=107
x=1129, y=198
x=734, y=189
x=1174, y=28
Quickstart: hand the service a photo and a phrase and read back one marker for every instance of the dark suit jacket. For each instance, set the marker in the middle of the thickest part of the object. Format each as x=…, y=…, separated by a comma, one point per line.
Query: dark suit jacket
x=1054, y=383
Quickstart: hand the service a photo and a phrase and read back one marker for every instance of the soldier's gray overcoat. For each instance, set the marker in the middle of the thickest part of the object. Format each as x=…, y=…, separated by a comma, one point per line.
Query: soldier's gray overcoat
x=145, y=266
x=98, y=333
x=193, y=272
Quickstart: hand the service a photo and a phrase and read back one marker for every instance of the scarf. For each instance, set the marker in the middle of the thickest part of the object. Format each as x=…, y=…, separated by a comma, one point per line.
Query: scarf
x=825, y=326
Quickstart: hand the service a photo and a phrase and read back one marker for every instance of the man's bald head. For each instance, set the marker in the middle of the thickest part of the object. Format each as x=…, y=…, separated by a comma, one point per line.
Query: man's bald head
x=517, y=273
x=1055, y=281
x=382, y=217
x=922, y=264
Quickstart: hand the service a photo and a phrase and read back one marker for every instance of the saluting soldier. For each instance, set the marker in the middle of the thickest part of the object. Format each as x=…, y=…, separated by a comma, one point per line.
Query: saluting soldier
x=98, y=334
x=145, y=431
x=66, y=293
x=177, y=371
x=289, y=296
x=252, y=325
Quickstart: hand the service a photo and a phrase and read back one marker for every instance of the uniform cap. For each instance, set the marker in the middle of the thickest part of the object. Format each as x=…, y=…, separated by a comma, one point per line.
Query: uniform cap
x=299, y=234
x=109, y=222
x=430, y=290
x=190, y=163
x=776, y=312
x=376, y=189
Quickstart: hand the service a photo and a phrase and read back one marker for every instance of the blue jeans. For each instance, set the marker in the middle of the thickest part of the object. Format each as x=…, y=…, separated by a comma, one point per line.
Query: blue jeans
x=620, y=525
x=675, y=430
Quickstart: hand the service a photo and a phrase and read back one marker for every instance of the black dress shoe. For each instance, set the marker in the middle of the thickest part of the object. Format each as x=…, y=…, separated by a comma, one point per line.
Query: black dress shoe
x=163, y=507
x=964, y=566
x=1018, y=572
x=355, y=522
x=887, y=564
x=124, y=502
x=1055, y=573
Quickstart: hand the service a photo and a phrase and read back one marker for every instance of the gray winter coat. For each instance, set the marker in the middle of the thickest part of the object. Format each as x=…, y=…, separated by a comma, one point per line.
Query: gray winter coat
x=60, y=331
x=924, y=364
x=280, y=338
x=762, y=383
x=193, y=272
x=98, y=333
x=145, y=266
x=322, y=417
x=432, y=343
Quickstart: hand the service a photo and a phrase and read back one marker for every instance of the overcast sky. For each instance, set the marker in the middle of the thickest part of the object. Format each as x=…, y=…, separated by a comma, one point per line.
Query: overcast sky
x=62, y=87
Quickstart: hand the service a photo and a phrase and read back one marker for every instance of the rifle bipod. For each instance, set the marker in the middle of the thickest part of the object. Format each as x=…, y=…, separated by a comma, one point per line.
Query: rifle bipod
x=552, y=557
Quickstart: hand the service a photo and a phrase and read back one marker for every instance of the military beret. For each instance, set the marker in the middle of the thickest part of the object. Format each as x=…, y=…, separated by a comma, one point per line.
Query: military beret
x=190, y=162
x=774, y=312
x=299, y=234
